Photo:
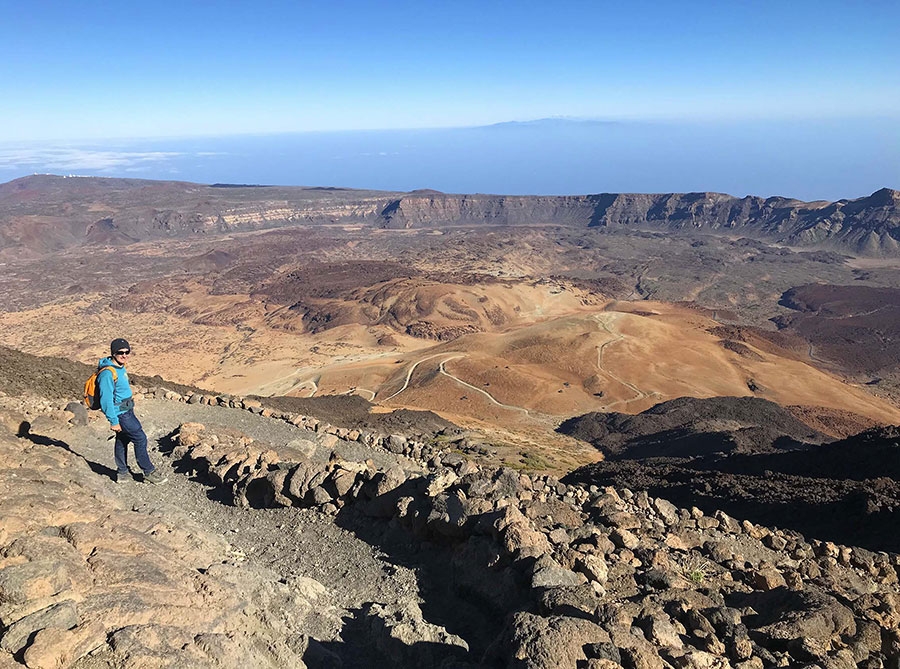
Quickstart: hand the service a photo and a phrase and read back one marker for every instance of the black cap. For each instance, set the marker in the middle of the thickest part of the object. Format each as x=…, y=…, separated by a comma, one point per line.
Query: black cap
x=118, y=345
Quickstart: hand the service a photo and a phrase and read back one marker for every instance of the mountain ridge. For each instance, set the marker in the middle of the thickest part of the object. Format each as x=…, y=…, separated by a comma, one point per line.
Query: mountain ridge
x=45, y=213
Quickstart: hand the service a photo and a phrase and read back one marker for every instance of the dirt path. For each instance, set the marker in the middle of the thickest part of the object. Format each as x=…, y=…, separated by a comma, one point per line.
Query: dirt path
x=493, y=399
x=639, y=394
x=409, y=373
x=288, y=542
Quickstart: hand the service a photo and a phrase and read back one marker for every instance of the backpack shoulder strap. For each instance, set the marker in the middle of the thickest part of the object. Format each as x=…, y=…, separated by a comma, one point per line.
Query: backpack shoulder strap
x=112, y=371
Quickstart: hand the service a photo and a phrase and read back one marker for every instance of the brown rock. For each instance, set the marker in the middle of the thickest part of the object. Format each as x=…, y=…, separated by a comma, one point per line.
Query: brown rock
x=752, y=663
x=741, y=648
x=558, y=536
x=624, y=539
x=190, y=434
x=675, y=542
x=275, y=495
x=807, y=614
x=810, y=569
x=299, y=479
x=622, y=520
x=33, y=580
x=698, y=659
x=753, y=530
x=326, y=440
x=662, y=632
x=767, y=579
x=720, y=551
x=578, y=600
x=406, y=639
x=697, y=622
x=557, y=511
x=439, y=481
x=522, y=539
x=793, y=580
x=391, y=479
x=636, y=651
x=59, y=616
x=667, y=511
x=727, y=523
x=774, y=542
x=594, y=567
x=535, y=642
x=602, y=664
x=343, y=481
x=54, y=648
x=319, y=496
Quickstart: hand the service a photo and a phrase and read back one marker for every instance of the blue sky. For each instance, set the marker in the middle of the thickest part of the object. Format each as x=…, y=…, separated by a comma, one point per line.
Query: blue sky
x=94, y=70
x=796, y=98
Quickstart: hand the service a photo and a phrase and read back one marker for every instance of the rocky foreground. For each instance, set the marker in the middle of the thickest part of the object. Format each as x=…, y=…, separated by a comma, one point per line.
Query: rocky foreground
x=756, y=460
x=513, y=570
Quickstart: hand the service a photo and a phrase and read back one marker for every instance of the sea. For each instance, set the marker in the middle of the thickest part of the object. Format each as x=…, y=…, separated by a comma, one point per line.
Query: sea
x=822, y=159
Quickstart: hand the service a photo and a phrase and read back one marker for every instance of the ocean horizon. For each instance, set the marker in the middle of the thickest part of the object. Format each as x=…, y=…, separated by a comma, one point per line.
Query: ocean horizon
x=807, y=160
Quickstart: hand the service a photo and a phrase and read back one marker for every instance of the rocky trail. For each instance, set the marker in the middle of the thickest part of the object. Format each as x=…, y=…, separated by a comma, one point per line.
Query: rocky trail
x=273, y=546
x=280, y=540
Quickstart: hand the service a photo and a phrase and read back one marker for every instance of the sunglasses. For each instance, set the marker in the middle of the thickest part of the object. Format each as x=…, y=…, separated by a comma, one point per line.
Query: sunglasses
x=128, y=352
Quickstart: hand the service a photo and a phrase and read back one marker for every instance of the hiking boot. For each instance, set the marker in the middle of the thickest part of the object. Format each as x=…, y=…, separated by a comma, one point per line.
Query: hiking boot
x=155, y=478
x=123, y=478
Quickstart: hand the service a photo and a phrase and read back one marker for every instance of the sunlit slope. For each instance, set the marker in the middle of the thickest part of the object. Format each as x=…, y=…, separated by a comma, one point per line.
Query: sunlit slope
x=244, y=343
x=552, y=354
x=626, y=358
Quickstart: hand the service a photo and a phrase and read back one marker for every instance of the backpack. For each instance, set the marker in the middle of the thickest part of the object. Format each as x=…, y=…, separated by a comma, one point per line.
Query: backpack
x=92, y=390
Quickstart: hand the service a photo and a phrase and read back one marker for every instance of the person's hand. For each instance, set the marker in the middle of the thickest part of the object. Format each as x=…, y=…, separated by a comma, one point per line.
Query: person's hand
x=115, y=428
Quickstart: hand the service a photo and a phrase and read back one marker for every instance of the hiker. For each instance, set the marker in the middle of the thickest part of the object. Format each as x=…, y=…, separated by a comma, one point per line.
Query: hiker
x=117, y=404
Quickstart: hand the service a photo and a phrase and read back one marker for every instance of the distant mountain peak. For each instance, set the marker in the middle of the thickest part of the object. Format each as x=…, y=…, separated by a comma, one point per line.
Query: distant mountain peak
x=551, y=121
x=884, y=197
x=425, y=191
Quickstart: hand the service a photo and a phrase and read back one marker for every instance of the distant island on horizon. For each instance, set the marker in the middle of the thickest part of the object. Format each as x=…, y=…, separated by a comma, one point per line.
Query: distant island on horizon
x=809, y=160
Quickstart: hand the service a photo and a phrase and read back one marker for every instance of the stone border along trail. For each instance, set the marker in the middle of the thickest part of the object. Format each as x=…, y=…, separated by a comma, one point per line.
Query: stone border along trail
x=574, y=571
x=288, y=542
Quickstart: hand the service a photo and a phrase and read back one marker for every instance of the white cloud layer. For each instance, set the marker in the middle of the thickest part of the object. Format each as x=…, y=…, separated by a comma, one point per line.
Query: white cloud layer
x=67, y=159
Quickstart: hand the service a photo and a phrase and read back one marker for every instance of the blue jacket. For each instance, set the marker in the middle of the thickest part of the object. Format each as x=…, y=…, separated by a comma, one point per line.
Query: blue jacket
x=113, y=395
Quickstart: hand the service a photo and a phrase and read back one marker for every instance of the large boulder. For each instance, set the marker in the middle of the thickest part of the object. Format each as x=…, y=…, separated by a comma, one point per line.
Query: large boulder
x=531, y=641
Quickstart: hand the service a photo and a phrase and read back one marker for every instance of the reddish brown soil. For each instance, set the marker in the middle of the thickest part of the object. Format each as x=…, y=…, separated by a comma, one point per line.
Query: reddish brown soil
x=833, y=422
x=857, y=328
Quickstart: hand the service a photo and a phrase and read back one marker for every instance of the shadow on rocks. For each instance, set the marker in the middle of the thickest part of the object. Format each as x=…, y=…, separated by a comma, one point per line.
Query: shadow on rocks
x=25, y=432
x=355, y=650
x=219, y=494
x=452, y=584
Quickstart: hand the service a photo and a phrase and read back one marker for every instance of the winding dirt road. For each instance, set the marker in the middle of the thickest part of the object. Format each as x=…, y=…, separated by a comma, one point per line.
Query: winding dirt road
x=639, y=394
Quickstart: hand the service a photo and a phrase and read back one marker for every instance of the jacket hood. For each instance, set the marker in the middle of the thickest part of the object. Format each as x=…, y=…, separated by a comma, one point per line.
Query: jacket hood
x=107, y=362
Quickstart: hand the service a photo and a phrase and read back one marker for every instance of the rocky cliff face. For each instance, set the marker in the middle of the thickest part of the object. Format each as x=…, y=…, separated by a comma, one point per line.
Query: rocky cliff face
x=46, y=212
x=435, y=210
x=868, y=226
